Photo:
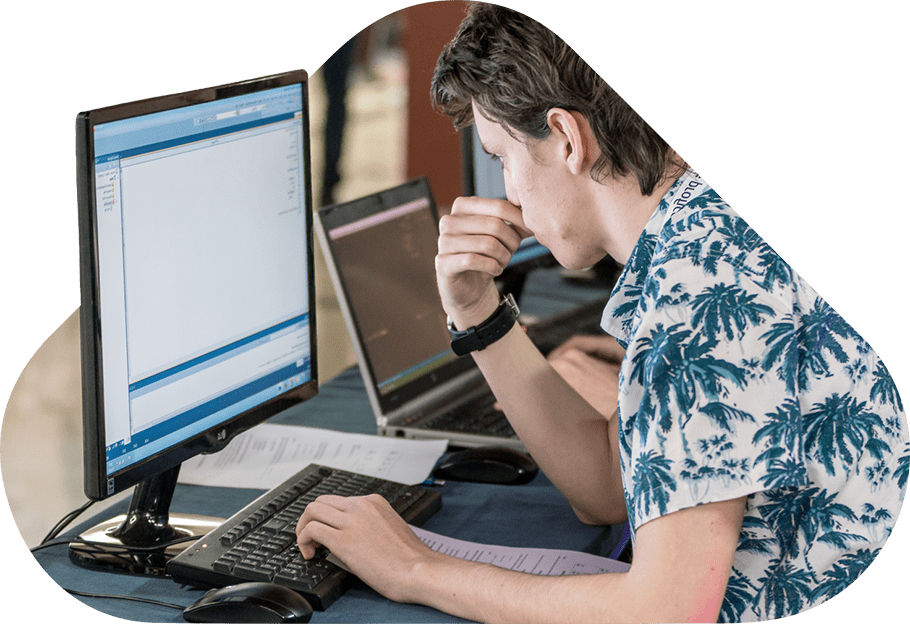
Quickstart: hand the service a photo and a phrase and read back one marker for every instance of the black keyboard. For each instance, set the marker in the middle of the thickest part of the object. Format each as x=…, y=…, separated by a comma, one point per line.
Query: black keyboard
x=480, y=417
x=259, y=543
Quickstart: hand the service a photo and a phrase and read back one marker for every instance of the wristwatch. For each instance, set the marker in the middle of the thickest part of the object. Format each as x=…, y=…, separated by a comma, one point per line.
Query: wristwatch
x=486, y=333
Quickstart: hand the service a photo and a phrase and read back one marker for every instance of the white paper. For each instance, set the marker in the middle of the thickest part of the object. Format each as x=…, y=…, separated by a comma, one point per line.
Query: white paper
x=266, y=455
x=542, y=561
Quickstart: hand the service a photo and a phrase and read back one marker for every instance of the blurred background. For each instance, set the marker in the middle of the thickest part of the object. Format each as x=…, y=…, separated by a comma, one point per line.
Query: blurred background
x=372, y=127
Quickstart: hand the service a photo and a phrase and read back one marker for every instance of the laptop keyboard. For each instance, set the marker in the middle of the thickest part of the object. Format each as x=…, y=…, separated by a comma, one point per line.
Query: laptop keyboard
x=481, y=417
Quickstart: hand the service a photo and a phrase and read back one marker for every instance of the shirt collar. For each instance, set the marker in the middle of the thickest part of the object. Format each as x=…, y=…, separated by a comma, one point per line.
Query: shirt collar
x=620, y=311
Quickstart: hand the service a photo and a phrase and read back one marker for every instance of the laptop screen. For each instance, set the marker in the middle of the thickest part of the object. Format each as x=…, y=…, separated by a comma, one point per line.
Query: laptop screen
x=384, y=247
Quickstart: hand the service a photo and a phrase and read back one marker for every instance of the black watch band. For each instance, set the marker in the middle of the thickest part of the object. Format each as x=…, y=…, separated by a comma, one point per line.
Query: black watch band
x=486, y=333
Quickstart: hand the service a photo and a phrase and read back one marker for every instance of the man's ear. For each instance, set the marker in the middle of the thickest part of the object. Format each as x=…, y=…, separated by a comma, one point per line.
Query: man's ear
x=566, y=125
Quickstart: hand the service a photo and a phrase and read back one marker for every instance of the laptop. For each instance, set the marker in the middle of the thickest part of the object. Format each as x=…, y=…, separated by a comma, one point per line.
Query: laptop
x=380, y=250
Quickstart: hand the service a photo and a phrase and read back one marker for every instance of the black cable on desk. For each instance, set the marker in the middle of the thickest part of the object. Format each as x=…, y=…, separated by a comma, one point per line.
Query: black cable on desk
x=119, y=597
x=126, y=549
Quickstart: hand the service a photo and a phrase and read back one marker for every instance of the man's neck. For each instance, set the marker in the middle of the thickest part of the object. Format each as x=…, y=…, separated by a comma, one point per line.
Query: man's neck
x=626, y=212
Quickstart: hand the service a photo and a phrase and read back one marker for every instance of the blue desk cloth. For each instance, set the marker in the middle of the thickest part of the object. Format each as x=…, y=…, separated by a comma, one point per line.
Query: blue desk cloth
x=534, y=515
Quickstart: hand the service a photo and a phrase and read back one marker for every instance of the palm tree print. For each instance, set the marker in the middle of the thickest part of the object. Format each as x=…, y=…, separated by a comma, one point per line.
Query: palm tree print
x=843, y=573
x=776, y=271
x=784, y=426
x=837, y=426
x=741, y=381
x=737, y=598
x=884, y=390
x=810, y=512
x=901, y=472
x=652, y=480
x=750, y=539
x=874, y=518
x=727, y=308
x=877, y=474
x=783, y=590
x=724, y=415
x=641, y=261
x=800, y=342
x=822, y=326
x=783, y=345
x=666, y=365
x=780, y=473
x=782, y=436
x=737, y=233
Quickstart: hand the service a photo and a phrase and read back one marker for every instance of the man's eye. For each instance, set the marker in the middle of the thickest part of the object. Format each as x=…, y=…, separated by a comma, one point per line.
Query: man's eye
x=496, y=158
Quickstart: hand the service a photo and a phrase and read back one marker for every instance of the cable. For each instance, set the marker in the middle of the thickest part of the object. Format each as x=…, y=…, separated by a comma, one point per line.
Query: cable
x=126, y=550
x=118, y=597
x=65, y=521
x=49, y=541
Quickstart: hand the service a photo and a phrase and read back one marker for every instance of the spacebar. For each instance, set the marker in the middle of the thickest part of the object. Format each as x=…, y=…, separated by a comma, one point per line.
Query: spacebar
x=253, y=574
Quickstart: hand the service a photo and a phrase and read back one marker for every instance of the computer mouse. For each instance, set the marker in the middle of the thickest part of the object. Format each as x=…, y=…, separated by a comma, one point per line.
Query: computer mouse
x=250, y=602
x=487, y=464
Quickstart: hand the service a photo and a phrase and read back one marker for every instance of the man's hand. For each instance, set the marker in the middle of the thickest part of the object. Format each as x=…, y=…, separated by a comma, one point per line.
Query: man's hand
x=476, y=242
x=601, y=346
x=369, y=538
x=591, y=366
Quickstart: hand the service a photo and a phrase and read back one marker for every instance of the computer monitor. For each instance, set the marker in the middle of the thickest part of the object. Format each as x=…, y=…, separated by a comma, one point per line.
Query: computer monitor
x=198, y=304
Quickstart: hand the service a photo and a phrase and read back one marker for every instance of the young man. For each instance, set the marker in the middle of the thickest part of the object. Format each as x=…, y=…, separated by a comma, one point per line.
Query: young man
x=759, y=447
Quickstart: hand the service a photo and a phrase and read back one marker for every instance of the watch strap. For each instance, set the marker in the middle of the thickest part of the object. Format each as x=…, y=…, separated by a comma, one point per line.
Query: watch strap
x=486, y=333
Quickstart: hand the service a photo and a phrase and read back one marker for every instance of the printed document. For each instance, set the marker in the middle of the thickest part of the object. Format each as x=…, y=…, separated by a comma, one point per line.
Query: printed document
x=266, y=455
x=542, y=561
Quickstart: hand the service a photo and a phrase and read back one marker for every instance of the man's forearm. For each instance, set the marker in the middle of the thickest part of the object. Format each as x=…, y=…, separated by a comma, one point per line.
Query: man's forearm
x=573, y=443
x=486, y=593
x=680, y=572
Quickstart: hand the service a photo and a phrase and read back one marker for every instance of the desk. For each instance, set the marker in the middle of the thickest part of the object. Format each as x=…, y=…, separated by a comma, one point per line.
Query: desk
x=491, y=514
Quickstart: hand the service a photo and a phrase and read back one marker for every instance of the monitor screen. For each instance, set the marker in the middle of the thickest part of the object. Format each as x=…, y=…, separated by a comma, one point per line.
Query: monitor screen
x=196, y=271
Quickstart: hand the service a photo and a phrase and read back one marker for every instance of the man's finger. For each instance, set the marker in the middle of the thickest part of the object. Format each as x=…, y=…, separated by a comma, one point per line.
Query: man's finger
x=314, y=535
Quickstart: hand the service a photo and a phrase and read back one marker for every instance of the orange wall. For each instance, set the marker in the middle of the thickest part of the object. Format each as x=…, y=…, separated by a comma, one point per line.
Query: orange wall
x=434, y=148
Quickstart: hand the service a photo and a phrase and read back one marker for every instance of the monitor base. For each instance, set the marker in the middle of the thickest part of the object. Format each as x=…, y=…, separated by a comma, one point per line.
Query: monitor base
x=106, y=551
x=141, y=541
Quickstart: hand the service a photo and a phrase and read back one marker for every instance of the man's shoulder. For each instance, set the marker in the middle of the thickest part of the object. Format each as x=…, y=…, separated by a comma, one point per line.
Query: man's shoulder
x=705, y=226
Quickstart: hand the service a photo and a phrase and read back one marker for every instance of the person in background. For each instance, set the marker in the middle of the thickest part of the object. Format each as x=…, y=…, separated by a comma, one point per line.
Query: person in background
x=335, y=73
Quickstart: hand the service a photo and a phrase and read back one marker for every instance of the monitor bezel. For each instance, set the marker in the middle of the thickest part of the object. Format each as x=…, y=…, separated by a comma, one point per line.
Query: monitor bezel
x=98, y=484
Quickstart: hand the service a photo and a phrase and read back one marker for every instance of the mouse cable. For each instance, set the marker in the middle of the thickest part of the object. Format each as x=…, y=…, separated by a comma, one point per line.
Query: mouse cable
x=119, y=597
x=79, y=540
x=65, y=521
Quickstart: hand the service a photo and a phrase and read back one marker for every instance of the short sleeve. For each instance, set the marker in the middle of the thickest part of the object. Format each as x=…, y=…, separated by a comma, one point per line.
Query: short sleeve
x=703, y=417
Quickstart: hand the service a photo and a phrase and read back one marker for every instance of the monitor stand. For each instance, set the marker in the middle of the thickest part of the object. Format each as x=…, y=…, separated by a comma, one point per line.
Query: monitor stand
x=114, y=544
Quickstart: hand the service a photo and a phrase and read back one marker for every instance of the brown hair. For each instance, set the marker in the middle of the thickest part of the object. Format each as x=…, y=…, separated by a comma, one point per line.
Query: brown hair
x=516, y=70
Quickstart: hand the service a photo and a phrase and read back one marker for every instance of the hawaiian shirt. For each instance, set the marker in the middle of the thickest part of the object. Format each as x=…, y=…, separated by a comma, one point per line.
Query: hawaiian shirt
x=739, y=380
